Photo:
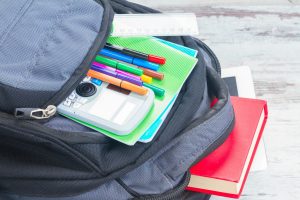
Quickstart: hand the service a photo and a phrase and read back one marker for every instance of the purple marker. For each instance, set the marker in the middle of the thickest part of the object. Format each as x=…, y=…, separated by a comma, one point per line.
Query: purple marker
x=95, y=64
x=104, y=71
x=129, y=79
x=128, y=74
x=115, y=70
x=107, y=71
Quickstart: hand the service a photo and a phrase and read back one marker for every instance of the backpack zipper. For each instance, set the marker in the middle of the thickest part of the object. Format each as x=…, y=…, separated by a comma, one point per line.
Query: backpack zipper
x=35, y=113
x=48, y=110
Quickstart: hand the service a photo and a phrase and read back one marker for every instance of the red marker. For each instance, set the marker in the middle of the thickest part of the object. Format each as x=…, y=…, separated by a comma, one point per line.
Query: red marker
x=137, y=54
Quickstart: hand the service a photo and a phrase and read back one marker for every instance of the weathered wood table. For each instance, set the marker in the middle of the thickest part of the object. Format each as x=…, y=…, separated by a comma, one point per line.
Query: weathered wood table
x=267, y=39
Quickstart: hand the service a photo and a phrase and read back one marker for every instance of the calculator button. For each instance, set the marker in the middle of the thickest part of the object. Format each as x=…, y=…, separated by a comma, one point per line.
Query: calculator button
x=81, y=100
x=86, y=79
x=76, y=105
x=78, y=98
x=96, y=81
x=68, y=103
x=72, y=96
x=86, y=89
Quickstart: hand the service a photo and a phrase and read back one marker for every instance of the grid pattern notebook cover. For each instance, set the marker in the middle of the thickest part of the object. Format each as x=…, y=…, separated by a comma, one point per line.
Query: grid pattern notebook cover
x=151, y=132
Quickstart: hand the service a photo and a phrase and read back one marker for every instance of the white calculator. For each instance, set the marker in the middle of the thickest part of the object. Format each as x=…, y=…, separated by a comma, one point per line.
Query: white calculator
x=107, y=106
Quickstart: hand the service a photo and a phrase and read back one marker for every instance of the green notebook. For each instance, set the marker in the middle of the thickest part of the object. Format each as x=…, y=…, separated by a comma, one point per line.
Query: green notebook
x=177, y=68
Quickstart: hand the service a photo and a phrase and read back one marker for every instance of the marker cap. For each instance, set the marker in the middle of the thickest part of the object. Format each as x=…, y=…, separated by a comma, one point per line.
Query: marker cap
x=118, y=82
x=104, y=77
x=116, y=55
x=153, y=74
x=129, y=79
x=106, y=61
x=146, y=79
x=127, y=68
x=146, y=64
x=134, y=88
x=128, y=74
x=104, y=71
x=157, y=91
x=156, y=59
x=116, y=73
x=95, y=64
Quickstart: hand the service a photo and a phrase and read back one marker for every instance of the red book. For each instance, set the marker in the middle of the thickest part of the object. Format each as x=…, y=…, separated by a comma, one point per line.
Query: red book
x=225, y=170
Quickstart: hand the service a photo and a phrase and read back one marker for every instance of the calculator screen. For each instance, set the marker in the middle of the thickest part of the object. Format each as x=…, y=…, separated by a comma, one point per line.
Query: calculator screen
x=114, y=106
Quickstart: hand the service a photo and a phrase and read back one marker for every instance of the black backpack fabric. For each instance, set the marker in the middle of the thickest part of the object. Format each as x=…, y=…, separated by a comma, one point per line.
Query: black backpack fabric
x=60, y=159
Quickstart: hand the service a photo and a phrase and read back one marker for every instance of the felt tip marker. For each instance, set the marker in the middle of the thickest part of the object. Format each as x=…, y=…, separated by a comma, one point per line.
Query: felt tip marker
x=136, y=54
x=153, y=74
x=129, y=59
x=118, y=82
x=144, y=78
x=157, y=91
x=115, y=74
x=96, y=64
x=118, y=65
x=116, y=70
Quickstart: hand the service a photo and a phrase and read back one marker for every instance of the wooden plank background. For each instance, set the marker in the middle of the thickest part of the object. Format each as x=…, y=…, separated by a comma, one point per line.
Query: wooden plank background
x=266, y=37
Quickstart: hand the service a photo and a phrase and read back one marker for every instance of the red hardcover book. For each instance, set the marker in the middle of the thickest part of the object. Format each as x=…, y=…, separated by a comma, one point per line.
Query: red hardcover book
x=225, y=170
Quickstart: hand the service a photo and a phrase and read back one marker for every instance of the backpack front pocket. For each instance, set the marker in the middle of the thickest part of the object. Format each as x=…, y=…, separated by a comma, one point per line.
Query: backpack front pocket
x=48, y=50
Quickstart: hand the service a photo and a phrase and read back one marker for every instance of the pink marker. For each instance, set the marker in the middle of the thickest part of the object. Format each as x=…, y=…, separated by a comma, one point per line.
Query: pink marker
x=103, y=66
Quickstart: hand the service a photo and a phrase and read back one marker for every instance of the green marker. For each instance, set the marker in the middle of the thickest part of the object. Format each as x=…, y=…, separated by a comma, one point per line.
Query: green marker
x=119, y=65
x=157, y=91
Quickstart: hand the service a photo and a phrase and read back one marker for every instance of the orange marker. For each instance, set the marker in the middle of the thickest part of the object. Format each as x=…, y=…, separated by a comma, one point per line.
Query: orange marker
x=118, y=82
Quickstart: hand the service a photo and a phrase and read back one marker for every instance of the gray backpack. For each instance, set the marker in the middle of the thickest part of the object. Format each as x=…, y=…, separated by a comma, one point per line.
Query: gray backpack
x=46, y=48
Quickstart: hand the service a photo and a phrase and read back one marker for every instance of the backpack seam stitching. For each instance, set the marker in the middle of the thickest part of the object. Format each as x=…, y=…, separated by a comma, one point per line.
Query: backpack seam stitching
x=15, y=20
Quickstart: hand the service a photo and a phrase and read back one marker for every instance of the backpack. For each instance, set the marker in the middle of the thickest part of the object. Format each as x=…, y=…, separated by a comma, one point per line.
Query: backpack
x=46, y=48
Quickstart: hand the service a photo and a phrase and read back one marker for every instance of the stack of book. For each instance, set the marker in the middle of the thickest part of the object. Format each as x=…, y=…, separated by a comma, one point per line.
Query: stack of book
x=225, y=170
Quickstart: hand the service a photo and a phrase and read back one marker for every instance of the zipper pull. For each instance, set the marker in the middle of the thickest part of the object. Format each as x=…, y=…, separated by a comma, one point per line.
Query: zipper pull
x=35, y=113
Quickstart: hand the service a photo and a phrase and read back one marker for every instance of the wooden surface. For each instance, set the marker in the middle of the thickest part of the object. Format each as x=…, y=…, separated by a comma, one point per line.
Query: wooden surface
x=267, y=39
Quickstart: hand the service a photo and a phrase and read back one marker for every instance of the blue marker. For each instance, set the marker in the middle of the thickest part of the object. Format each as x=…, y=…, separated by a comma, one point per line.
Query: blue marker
x=116, y=55
x=129, y=59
